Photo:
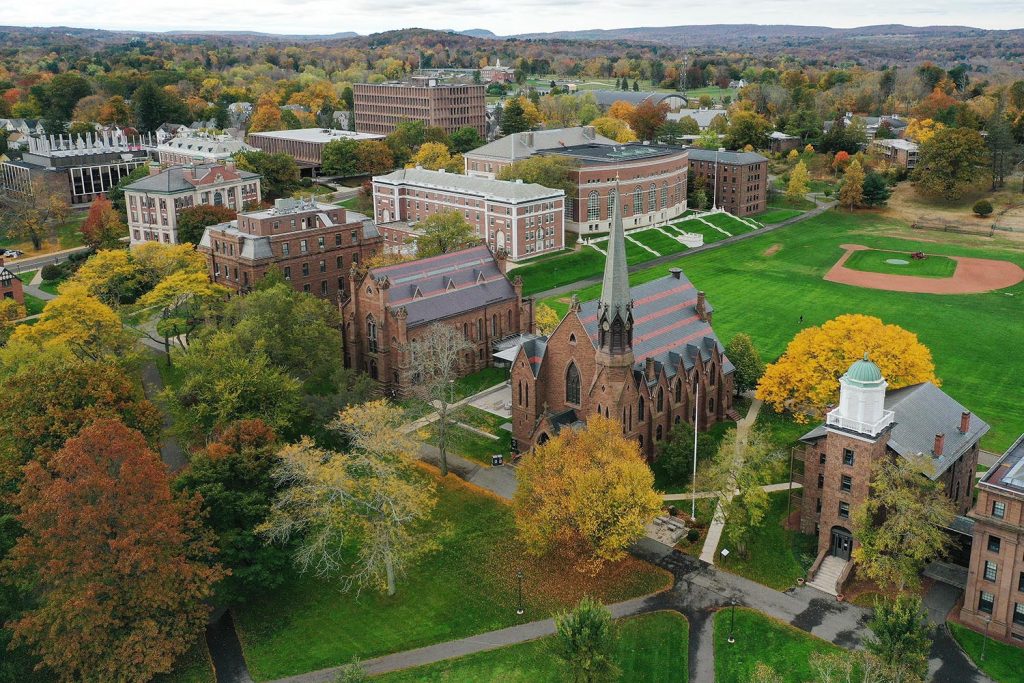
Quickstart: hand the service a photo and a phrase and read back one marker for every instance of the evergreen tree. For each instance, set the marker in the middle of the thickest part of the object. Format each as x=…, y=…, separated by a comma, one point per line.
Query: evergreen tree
x=875, y=190
x=1003, y=149
x=636, y=85
x=513, y=118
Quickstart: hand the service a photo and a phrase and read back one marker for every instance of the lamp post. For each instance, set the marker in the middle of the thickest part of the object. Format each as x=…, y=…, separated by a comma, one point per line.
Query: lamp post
x=732, y=621
x=520, y=610
x=985, y=641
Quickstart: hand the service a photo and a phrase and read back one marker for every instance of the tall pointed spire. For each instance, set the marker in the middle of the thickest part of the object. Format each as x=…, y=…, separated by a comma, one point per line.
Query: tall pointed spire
x=615, y=307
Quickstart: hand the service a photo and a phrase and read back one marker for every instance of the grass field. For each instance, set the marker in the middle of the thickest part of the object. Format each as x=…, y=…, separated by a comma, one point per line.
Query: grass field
x=776, y=556
x=776, y=215
x=763, y=285
x=465, y=587
x=66, y=236
x=874, y=261
x=651, y=647
x=759, y=638
x=33, y=305
x=781, y=201
x=1003, y=663
x=470, y=444
x=659, y=242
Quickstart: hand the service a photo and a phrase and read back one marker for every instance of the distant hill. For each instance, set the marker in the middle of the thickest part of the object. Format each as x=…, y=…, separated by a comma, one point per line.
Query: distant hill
x=478, y=33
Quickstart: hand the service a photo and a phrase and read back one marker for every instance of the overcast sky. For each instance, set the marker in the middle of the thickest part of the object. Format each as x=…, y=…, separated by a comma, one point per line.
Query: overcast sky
x=504, y=18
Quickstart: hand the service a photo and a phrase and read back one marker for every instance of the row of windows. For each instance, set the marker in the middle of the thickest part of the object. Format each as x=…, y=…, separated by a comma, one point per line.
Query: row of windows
x=321, y=243
x=987, y=602
x=594, y=201
x=339, y=263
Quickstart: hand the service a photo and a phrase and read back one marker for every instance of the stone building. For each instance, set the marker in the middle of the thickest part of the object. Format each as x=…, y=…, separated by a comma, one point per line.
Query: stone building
x=738, y=180
x=314, y=245
x=994, y=597
x=870, y=424
x=646, y=356
x=519, y=219
x=380, y=107
x=389, y=307
x=10, y=285
x=154, y=201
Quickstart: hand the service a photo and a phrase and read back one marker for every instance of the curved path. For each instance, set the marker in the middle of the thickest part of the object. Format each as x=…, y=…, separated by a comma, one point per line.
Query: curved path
x=972, y=276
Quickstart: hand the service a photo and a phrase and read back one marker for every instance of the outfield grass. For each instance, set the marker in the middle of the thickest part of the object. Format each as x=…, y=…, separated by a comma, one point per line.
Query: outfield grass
x=759, y=638
x=874, y=261
x=651, y=647
x=763, y=285
x=773, y=215
x=1003, y=663
x=467, y=586
x=776, y=556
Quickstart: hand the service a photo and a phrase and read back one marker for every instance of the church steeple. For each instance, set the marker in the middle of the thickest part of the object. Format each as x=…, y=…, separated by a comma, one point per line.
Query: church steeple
x=615, y=307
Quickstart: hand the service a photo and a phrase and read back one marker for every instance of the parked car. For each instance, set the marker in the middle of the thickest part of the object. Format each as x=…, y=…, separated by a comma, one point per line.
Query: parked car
x=13, y=253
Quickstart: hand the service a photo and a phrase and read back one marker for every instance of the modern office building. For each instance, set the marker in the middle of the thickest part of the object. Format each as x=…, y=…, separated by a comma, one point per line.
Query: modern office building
x=380, y=107
x=305, y=145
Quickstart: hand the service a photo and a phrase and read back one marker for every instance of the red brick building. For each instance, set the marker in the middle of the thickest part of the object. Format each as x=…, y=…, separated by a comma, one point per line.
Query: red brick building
x=868, y=425
x=314, y=245
x=389, y=307
x=10, y=285
x=521, y=219
x=380, y=107
x=994, y=597
x=487, y=161
x=646, y=356
x=741, y=187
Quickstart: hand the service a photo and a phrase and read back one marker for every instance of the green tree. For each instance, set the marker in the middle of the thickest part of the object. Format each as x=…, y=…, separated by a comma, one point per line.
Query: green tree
x=747, y=128
x=875, y=189
x=1002, y=148
x=513, y=118
x=193, y=220
x=153, y=106
x=585, y=640
x=444, y=232
x=59, y=97
x=552, y=171
x=950, y=163
x=747, y=361
x=339, y=157
x=675, y=454
x=901, y=637
x=466, y=139
x=280, y=173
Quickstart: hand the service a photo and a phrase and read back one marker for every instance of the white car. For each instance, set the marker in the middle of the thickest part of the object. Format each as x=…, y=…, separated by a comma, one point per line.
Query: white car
x=13, y=253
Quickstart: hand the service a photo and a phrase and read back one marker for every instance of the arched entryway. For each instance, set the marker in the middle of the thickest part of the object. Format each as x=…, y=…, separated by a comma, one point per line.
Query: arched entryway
x=542, y=439
x=842, y=543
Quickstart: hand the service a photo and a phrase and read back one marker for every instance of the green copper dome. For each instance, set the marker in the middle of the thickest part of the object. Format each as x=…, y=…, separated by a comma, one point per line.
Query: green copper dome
x=864, y=372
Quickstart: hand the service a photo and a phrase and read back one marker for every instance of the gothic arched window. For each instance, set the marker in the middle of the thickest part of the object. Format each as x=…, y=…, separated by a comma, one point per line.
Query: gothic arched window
x=679, y=391
x=638, y=200
x=593, y=206
x=664, y=195
x=572, y=384
x=371, y=333
x=640, y=410
x=661, y=400
x=611, y=203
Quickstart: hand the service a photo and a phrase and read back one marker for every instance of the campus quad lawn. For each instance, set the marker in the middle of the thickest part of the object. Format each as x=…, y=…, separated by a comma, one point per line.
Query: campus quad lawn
x=465, y=587
x=563, y=270
x=781, y=201
x=1003, y=663
x=659, y=241
x=874, y=261
x=776, y=215
x=695, y=226
x=731, y=225
x=651, y=647
x=776, y=557
x=765, y=295
x=760, y=638
x=468, y=443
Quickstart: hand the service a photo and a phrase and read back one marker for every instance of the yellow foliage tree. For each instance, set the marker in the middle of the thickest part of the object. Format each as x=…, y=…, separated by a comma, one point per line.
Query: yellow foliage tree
x=10, y=310
x=793, y=154
x=586, y=492
x=531, y=113
x=266, y=117
x=809, y=149
x=546, y=319
x=806, y=378
x=798, y=181
x=621, y=109
x=616, y=129
x=852, y=192
x=436, y=156
x=922, y=130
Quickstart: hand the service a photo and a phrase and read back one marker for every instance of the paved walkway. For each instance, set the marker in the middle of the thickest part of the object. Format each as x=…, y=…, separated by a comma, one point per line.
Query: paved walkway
x=152, y=383
x=711, y=541
x=770, y=488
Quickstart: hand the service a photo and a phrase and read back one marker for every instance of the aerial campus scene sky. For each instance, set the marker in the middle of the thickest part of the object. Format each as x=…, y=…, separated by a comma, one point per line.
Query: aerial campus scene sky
x=503, y=18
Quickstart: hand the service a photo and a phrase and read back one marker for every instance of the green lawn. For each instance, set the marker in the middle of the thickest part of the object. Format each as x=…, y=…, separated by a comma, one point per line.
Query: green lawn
x=713, y=91
x=759, y=638
x=51, y=286
x=773, y=215
x=776, y=557
x=1003, y=663
x=766, y=295
x=729, y=223
x=478, y=381
x=26, y=276
x=350, y=203
x=195, y=666
x=651, y=647
x=466, y=587
x=562, y=270
x=470, y=444
x=781, y=201
x=33, y=305
x=782, y=430
x=875, y=261
x=696, y=226
x=659, y=241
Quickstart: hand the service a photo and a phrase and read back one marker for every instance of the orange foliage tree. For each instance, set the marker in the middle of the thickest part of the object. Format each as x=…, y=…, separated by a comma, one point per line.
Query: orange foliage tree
x=120, y=567
x=588, y=492
x=103, y=227
x=647, y=118
x=621, y=109
x=806, y=378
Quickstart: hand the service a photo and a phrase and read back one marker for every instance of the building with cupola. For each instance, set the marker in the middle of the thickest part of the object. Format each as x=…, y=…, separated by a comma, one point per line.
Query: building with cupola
x=645, y=355
x=870, y=424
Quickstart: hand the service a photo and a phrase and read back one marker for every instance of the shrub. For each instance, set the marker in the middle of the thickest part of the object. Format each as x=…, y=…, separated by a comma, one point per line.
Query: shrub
x=52, y=272
x=982, y=207
x=692, y=535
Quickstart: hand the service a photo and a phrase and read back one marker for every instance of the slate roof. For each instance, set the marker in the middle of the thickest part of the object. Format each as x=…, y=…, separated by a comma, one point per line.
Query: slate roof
x=499, y=190
x=921, y=411
x=534, y=350
x=698, y=154
x=442, y=286
x=522, y=145
x=204, y=146
x=665, y=326
x=603, y=154
x=172, y=179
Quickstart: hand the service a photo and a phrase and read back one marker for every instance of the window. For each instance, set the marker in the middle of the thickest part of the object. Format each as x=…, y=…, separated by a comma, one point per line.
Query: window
x=305, y=288
x=303, y=246
x=640, y=409
x=991, y=570
x=817, y=506
x=341, y=263
x=664, y=195
x=323, y=288
x=371, y=333
x=679, y=391
x=305, y=269
x=337, y=239
x=998, y=509
x=323, y=266
x=285, y=248
x=846, y=484
x=287, y=272
x=320, y=242
x=611, y=203
x=1018, y=614
x=986, y=601
x=572, y=384
x=652, y=198
x=821, y=458
x=355, y=237
x=844, y=510
x=661, y=401
x=657, y=433
x=593, y=206
x=847, y=456
x=821, y=480
x=1020, y=582
x=638, y=200
x=994, y=542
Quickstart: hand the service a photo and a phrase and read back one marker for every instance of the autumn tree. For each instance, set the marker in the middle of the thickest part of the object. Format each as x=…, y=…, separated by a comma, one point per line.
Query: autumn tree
x=279, y=172
x=922, y=130
x=444, y=232
x=267, y=116
x=950, y=163
x=584, y=641
x=103, y=227
x=621, y=110
x=799, y=182
x=232, y=476
x=370, y=497
x=193, y=220
x=373, y=157
x=546, y=319
x=435, y=156
x=121, y=567
x=747, y=128
x=806, y=378
x=747, y=361
x=34, y=217
x=901, y=525
x=901, y=638
x=10, y=311
x=851, y=193
x=647, y=117
x=177, y=306
x=587, y=492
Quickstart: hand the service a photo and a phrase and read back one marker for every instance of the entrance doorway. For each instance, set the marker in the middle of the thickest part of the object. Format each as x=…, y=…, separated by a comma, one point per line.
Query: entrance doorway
x=842, y=543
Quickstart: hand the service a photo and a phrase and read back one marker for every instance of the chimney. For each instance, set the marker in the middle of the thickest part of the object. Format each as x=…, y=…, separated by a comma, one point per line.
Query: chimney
x=702, y=312
x=589, y=132
x=649, y=367
x=154, y=167
x=965, y=422
x=940, y=442
x=676, y=273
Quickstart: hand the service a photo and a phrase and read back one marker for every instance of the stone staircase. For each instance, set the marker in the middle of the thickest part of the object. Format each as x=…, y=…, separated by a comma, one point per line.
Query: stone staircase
x=828, y=574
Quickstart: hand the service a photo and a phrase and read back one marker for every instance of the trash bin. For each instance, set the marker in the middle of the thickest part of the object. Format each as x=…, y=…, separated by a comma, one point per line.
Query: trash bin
x=497, y=460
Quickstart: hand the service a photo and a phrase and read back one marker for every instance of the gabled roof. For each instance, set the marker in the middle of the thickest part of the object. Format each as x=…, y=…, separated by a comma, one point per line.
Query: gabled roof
x=521, y=145
x=442, y=286
x=180, y=178
x=498, y=190
x=698, y=154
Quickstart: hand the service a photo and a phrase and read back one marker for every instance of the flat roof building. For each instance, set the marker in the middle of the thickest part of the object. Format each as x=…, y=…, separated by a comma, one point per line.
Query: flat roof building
x=305, y=145
x=739, y=180
x=380, y=107
x=199, y=148
x=898, y=151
